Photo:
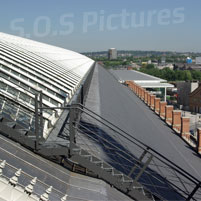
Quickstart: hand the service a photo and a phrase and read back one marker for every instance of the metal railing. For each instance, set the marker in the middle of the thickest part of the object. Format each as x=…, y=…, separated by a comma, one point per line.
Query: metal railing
x=157, y=174
x=108, y=142
x=127, y=154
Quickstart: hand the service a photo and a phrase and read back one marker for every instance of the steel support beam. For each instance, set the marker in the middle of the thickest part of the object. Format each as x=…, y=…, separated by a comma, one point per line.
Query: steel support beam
x=72, y=129
x=138, y=163
x=41, y=115
x=141, y=172
x=194, y=191
x=143, y=169
x=36, y=122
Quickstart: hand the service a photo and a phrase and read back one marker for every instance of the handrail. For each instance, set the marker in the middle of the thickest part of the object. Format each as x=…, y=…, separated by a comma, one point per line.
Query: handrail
x=137, y=165
x=179, y=168
x=162, y=165
x=184, y=178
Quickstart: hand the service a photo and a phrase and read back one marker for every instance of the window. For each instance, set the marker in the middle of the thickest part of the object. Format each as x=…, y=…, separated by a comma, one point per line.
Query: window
x=24, y=86
x=41, y=86
x=54, y=102
x=5, y=67
x=14, y=80
x=15, y=73
x=3, y=86
x=32, y=81
x=13, y=91
x=4, y=75
x=33, y=91
x=24, y=97
x=23, y=77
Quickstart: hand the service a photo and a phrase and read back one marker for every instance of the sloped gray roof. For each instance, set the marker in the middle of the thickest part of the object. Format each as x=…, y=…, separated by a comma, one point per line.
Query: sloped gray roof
x=118, y=104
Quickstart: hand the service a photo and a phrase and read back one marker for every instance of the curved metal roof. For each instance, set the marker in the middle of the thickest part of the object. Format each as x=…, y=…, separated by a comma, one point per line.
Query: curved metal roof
x=27, y=67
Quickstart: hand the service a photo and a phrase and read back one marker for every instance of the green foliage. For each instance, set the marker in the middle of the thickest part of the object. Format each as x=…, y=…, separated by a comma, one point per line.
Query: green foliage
x=150, y=66
x=173, y=75
x=114, y=63
x=188, y=75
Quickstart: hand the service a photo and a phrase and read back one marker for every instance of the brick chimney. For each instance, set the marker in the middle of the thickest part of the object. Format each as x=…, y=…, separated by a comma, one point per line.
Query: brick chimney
x=162, y=105
x=199, y=140
x=168, y=114
x=143, y=93
x=185, y=128
x=156, y=105
x=152, y=101
x=146, y=97
x=176, y=120
x=149, y=99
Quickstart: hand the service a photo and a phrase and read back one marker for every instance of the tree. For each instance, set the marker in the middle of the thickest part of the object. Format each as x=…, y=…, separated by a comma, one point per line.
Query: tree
x=188, y=75
x=196, y=75
x=150, y=66
x=172, y=75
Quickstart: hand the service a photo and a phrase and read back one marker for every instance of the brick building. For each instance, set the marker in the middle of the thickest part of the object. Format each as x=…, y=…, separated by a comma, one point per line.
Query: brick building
x=195, y=100
x=184, y=89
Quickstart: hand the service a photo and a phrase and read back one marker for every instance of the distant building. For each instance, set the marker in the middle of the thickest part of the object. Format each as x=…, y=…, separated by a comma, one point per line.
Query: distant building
x=185, y=66
x=170, y=66
x=188, y=60
x=154, y=84
x=144, y=63
x=129, y=68
x=198, y=60
x=149, y=62
x=163, y=60
x=112, y=54
x=134, y=65
x=183, y=90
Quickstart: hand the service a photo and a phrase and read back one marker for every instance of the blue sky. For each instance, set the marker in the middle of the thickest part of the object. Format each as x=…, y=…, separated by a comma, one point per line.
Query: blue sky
x=92, y=25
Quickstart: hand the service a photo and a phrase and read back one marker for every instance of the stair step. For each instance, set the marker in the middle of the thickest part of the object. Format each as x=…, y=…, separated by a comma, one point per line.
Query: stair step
x=98, y=162
x=22, y=131
x=126, y=179
x=83, y=152
x=109, y=169
x=106, y=166
x=10, y=124
x=148, y=194
x=112, y=175
x=95, y=160
x=118, y=175
x=141, y=190
x=87, y=156
x=77, y=150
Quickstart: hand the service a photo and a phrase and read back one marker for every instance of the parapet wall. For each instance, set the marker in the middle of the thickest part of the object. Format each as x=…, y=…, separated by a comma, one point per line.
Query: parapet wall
x=173, y=118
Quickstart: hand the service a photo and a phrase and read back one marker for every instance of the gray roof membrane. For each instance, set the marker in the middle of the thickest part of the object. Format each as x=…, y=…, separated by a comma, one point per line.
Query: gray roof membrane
x=133, y=75
x=119, y=105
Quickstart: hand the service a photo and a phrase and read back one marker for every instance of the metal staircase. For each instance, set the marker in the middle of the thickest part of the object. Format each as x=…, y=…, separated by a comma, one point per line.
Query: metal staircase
x=143, y=175
x=13, y=130
x=150, y=175
x=111, y=175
